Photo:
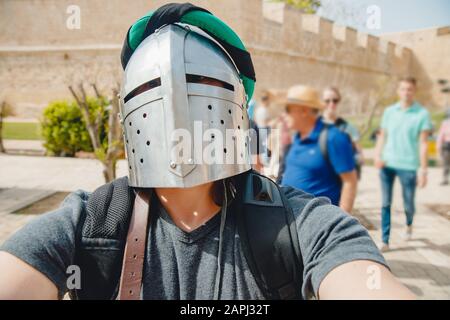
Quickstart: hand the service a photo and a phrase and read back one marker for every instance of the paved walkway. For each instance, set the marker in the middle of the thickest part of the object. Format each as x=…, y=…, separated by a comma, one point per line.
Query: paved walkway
x=24, y=147
x=423, y=264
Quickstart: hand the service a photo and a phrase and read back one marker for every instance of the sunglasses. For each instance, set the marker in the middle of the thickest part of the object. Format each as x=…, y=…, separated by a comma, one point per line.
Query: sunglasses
x=335, y=101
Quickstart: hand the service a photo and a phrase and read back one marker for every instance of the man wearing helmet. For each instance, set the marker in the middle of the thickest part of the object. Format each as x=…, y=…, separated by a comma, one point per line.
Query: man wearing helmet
x=183, y=226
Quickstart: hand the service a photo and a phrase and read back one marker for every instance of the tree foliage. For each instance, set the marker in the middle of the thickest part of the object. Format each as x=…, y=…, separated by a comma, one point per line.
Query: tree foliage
x=306, y=6
x=64, y=129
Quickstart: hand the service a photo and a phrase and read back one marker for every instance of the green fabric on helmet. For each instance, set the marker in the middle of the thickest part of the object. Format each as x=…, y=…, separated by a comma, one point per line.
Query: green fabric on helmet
x=205, y=21
x=137, y=30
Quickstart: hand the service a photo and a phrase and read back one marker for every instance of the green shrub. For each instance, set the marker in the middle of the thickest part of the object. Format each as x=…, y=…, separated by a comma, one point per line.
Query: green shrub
x=64, y=129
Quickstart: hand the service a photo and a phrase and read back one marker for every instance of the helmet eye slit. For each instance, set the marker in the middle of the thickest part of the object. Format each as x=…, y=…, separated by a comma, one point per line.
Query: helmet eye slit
x=193, y=78
x=143, y=88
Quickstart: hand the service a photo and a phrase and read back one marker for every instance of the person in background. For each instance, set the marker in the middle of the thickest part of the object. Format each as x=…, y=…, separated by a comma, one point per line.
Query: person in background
x=255, y=147
x=306, y=167
x=331, y=97
x=251, y=108
x=443, y=145
x=261, y=118
x=280, y=138
x=401, y=151
x=261, y=112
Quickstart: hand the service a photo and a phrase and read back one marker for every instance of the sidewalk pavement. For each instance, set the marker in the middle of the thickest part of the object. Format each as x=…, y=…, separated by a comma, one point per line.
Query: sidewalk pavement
x=423, y=264
x=24, y=147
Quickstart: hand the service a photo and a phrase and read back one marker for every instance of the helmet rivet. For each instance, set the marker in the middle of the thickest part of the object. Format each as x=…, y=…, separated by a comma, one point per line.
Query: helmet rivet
x=173, y=165
x=190, y=161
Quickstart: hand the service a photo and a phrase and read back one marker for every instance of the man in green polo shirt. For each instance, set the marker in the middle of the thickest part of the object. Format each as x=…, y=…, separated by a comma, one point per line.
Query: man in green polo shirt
x=401, y=152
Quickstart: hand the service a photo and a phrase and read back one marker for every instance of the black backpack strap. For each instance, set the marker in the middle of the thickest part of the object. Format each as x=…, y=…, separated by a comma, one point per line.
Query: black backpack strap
x=100, y=240
x=269, y=239
x=323, y=142
x=341, y=124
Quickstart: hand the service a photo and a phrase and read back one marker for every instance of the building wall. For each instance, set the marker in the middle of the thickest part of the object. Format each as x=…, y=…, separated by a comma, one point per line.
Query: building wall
x=40, y=57
x=431, y=61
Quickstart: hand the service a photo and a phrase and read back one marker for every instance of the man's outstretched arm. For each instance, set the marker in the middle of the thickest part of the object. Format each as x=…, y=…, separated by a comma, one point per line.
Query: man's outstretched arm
x=20, y=281
x=363, y=280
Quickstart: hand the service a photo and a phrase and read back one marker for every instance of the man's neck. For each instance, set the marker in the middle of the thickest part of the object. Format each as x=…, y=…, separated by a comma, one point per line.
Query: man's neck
x=307, y=128
x=189, y=208
x=406, y=104
x=330, y=118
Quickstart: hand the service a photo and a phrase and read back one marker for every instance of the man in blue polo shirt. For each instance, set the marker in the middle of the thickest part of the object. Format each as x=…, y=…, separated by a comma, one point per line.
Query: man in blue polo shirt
x=333, y=174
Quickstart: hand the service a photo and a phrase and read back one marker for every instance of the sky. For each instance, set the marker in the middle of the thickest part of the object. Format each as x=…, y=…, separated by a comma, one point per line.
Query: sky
x=392, y=15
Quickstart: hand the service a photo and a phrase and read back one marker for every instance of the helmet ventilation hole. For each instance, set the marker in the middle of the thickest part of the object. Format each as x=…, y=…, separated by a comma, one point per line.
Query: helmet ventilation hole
x=132, y=150
x=210, y=107
x=139, y=131
x=144, y=115
x=222, y=122
x=148, y=143
x=142, y=160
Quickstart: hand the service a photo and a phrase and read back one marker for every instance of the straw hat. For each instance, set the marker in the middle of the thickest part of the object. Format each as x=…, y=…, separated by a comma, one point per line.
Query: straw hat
x=304, y=96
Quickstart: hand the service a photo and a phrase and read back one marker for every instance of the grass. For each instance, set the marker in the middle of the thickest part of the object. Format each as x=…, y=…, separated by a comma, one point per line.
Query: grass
x=22, y=130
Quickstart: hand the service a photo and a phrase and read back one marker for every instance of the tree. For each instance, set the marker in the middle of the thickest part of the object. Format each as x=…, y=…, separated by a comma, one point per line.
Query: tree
x=306, y=6
x=381, y=96
x=108, y=154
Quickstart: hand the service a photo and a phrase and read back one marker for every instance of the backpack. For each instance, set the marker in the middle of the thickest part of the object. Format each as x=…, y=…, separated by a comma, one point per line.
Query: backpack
x=342, y=125
x=265, y=223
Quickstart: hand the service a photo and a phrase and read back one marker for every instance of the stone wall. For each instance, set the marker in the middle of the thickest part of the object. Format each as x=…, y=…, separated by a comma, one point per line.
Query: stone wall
x=40, y=57
x=431, y=60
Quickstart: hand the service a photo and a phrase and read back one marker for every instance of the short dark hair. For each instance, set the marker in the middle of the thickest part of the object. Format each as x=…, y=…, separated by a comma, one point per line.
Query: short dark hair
x=410, y=80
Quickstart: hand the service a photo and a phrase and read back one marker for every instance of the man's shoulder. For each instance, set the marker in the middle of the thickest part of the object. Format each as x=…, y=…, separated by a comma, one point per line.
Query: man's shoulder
x=337, y=136
x=422, y=110
x=78, y=196
x=302, y=202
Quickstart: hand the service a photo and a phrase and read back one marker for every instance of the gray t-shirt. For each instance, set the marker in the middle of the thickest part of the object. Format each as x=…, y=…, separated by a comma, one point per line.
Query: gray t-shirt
x=182, y=265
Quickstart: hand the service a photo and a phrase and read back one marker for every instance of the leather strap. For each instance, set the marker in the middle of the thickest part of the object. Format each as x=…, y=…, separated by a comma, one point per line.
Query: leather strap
x=133, y=260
